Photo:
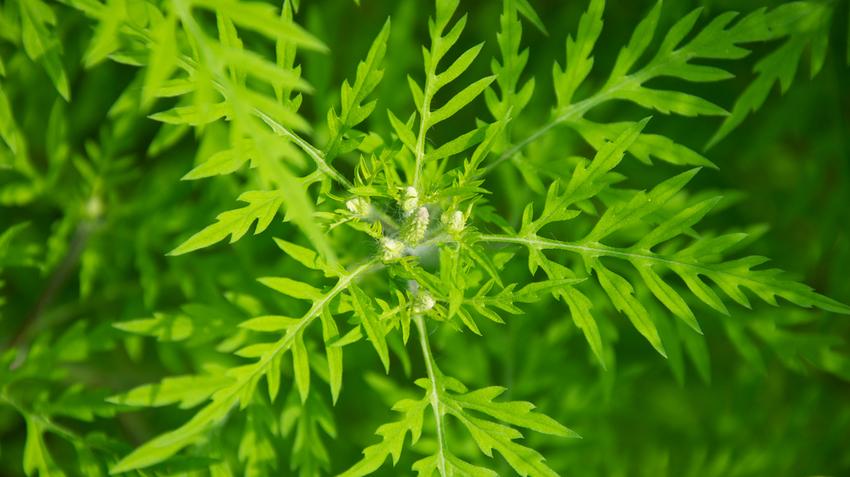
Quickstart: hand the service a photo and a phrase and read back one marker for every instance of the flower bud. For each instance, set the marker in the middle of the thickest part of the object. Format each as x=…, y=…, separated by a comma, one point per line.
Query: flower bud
x=417, y=227
x=410, y=200
x=391, y=249
x=456, y=222
x=358, y=206
x=424, y=302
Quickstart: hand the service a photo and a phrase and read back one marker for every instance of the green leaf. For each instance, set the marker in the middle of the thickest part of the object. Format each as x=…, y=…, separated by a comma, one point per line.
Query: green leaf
x=666, y=102
x=9, y=131
x=330, y=332
x=301, y=367
x=517, y=413
x=456, y=145
x=41, y=45
x=580, y=306
x=668, y=296
x=264, y=70
x=719, y=40
x=645, y=147
x=622, y=296
x=458, y=66
x=779, y=66
x=491, y=436
x=254, y=350
x=262, y=207
x=392, y=438
x=273, y=377
x=308, y=258
x=263, y=18
x=404, y=133
x=293, y=288
x=353, y=109
x=37, y=459
x=269, y=323
x=678, y=224
x=632, y=212
x=166, y=445
x=536, y=290
x=364, y=311
x=512, y=97
x=638, y=43
x=585, y=182
x=528, y=12
x=441, y=43
x=105, y=40
x=579, y=60
x=164, y=327
x=162, y=60
x=283, y=114
x=187, y=391
x=193, y=115
x=223, y=162
x=460, y=100
x=223, y=401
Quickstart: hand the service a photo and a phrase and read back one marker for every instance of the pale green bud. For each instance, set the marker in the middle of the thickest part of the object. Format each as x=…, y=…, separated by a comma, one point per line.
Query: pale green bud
x=424, y=302
x=410, y=200
x=358, y=206
x=391, y=249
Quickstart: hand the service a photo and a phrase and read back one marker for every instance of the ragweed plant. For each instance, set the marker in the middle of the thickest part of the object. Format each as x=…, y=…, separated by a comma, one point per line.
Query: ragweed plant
x=401, y=224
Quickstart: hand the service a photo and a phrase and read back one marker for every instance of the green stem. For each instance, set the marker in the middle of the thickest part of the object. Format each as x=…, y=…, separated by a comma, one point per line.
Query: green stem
x=314, y=312
x=434, y=393
x=225, y=398
x=571, y=112
x=423, y=131
x=305, y=146
x=598, y=249
x=595, y=249
x=577, y=110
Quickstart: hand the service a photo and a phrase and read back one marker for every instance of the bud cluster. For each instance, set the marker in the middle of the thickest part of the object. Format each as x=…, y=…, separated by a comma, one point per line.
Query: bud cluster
x=409, y=200
x=415, y=227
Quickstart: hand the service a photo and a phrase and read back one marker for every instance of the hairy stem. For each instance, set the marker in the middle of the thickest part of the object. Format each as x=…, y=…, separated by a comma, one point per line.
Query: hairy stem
x=423, y=131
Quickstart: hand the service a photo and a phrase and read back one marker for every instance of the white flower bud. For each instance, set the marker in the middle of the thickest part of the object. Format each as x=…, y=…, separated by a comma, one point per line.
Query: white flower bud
x=456, y=222
x=358, y=206
x=410, y=200
x=417, y=227
x=424, y=302
x=391, y=249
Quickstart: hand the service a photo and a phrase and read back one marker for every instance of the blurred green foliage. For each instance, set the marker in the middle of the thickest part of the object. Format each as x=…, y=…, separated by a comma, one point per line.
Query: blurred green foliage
x=91, y=306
